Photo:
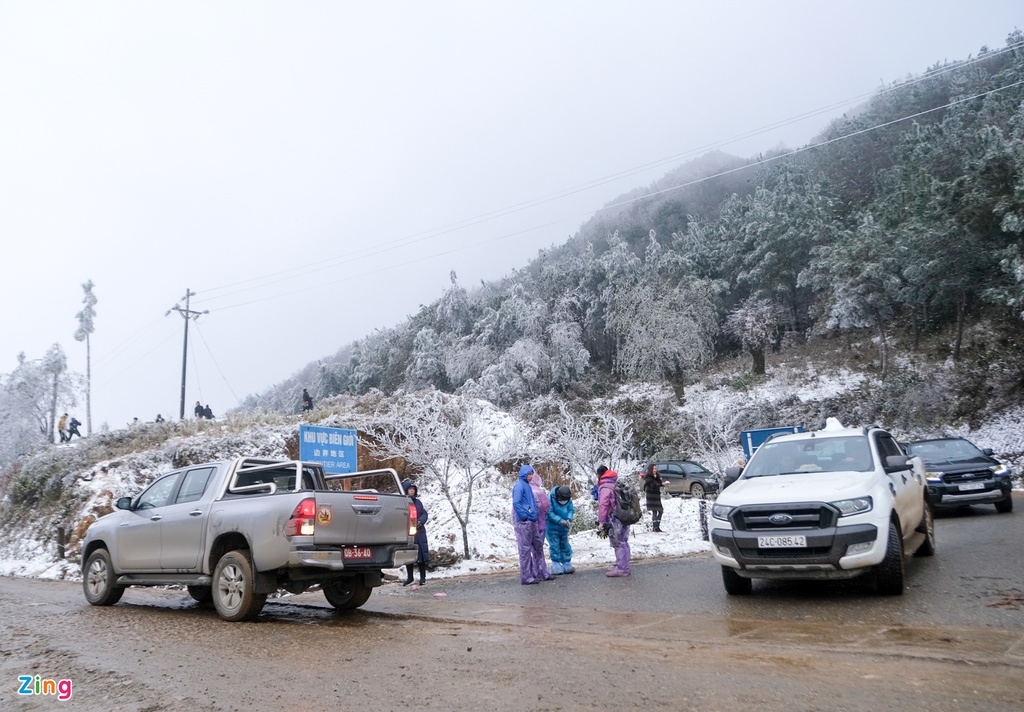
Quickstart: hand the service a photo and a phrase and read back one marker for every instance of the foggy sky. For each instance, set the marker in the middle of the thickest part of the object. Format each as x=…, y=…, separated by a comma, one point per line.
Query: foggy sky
x=316, y=170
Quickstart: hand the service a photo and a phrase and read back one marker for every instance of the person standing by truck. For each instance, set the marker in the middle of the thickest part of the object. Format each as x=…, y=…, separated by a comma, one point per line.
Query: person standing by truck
x=422, y=549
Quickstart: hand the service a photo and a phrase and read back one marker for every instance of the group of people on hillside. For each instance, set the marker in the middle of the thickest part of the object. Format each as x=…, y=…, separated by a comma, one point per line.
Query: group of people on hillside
x=67, y=427
x=203, y=411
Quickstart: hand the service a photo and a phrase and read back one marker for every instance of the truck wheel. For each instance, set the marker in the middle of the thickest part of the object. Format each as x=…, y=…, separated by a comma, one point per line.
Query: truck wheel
x=735, y=585
x=203, y=594
x=889, y=573
x=346, y=595
x=927, y=527
x=1005, y=506
x=98, y=581
x=234, y=592
x=697, y=490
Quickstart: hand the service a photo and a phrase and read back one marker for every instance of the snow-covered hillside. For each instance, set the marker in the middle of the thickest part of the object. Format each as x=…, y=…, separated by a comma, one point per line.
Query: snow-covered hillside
x=73, y=484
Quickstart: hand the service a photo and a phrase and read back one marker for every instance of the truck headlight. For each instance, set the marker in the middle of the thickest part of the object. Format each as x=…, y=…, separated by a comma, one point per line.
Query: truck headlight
x=1000, y=470
x=720, y=511
x=933, y=477
x=849, y=507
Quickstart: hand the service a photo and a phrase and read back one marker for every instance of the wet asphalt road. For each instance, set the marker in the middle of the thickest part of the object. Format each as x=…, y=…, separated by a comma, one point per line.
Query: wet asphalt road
x=667, y=638
x=976, y=579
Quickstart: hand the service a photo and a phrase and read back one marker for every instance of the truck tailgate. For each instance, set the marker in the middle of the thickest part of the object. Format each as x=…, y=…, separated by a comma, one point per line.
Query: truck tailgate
x=360, y=519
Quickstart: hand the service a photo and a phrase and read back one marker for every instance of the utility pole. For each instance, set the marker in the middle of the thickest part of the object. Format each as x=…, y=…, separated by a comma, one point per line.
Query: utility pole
x=186, y=314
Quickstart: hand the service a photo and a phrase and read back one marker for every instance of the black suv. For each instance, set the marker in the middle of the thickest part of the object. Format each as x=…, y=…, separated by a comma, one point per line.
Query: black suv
x=686, y=477
x=961, y=474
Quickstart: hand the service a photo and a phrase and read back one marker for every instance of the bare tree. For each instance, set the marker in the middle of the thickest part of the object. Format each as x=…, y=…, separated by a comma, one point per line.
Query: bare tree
x=451, y=439
x=587, y=440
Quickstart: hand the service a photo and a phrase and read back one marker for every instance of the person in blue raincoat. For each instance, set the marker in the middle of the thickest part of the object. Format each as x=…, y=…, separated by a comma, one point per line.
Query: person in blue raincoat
x=422, y=550
x=560, y=517
x=524, y=518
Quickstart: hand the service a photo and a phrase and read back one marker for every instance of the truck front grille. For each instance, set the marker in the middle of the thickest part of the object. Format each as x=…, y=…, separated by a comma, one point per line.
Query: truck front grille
x=804, y=515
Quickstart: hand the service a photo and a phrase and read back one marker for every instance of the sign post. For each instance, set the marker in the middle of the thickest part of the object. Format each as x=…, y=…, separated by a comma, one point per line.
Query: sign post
x=333, y=448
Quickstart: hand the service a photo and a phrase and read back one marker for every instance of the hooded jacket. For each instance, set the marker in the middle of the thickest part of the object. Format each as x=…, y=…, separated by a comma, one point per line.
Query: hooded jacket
x=606, y=496
x=524, y=507
x=559, y=511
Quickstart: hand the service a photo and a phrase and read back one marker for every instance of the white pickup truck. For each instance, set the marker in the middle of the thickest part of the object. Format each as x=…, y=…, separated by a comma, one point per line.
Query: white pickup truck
x=235, y=531
x=829, y=504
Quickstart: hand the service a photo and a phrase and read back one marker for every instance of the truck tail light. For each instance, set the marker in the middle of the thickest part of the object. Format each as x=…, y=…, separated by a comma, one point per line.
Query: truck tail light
x=303, y=519
x=412, y=520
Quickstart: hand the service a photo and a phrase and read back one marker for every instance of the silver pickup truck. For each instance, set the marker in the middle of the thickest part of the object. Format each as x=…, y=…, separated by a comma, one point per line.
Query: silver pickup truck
x=235, y=531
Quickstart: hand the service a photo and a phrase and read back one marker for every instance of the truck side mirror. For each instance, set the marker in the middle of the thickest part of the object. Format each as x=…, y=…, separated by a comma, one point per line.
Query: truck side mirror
x=895, y=463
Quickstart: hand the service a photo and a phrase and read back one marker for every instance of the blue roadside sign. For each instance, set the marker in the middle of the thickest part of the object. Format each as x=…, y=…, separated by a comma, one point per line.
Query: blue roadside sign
x=752, y=439
x=334, y=448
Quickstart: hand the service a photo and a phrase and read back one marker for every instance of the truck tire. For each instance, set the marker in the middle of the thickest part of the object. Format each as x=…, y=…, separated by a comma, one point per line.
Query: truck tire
x=234, y=591
x=98, y=580
x=697, y=490
x=1005, y=506
x=889, y=573
x=203, y=594
x=927, y=527
x=346, y=595
x=735, y=585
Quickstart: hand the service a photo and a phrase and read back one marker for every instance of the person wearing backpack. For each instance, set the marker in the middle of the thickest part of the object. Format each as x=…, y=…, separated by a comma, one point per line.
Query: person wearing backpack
x=652, y=488
x=618, y=532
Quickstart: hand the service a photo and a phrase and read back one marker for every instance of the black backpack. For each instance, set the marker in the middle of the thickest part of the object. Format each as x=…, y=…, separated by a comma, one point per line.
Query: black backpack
x=627, y=504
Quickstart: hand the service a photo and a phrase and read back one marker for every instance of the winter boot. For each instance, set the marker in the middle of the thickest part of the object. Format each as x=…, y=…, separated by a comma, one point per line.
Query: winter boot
x=556, y=568
x=408, y=579
x=423, y=573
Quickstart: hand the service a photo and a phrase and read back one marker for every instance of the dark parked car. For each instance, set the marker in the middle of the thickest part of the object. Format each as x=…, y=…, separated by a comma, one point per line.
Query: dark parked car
x=961, y=474
x=687, y=477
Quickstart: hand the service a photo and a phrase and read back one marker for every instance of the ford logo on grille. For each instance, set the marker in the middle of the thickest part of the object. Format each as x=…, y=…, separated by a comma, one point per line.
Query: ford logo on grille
x=780, y=519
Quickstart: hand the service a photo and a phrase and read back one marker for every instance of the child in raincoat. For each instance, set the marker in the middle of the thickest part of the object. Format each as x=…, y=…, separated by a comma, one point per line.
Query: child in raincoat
x=560, y=516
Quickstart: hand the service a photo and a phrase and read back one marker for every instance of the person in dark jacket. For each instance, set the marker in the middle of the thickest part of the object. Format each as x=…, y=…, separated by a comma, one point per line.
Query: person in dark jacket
x=422, y=550
x=653, y=484
x=199, y=410
x=73, y=428
x=307, y=401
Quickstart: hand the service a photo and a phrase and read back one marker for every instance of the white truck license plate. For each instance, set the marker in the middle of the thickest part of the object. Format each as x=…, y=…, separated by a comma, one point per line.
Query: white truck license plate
x=972, y=486
x=781, y=542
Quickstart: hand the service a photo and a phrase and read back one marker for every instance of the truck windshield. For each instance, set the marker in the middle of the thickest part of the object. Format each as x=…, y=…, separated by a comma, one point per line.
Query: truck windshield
x=845, y=454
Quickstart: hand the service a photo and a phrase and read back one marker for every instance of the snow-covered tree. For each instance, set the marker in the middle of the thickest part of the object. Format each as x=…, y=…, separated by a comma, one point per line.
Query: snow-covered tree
x=85, y=328
x=755, y=323
x=586, y=440
x=453, y=440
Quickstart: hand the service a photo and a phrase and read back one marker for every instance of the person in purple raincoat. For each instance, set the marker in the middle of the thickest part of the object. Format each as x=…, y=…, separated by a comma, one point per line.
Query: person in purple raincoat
x=540, y=498
x=618, y=533
x=524, y=515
